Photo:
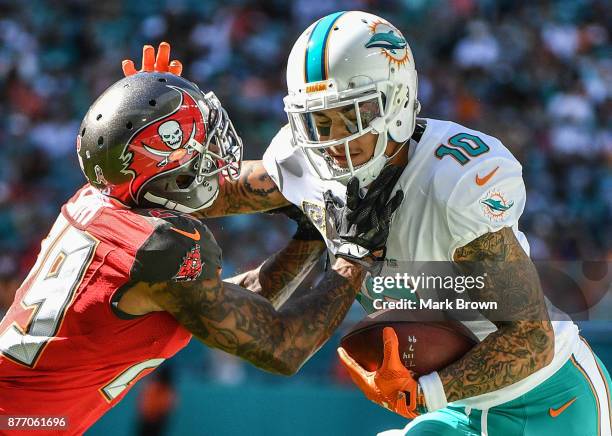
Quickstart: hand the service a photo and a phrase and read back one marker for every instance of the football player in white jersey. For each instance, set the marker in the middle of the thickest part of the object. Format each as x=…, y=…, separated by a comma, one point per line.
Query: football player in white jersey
x=352, y=107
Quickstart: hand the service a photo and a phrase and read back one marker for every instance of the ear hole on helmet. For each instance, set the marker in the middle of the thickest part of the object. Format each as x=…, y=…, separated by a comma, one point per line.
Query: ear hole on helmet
x=100, y=140
x=98, y=117
x=152, y=102
x=183, y=181
x=129, y=125
x=83, y=132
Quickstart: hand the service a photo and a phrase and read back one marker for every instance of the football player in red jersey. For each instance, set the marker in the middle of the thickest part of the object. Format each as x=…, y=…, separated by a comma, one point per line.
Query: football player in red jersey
x=126, y=276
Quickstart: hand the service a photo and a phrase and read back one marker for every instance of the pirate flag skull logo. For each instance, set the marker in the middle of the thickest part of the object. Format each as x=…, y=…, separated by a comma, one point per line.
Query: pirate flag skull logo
x=166, y=143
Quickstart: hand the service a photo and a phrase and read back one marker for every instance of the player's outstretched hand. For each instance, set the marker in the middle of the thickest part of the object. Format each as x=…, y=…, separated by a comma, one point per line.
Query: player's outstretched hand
x=391, y=385
x=150, y=63
x=360, y=227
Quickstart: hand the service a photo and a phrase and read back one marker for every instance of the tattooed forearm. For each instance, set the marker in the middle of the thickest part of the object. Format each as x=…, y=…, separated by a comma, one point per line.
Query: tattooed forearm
x=280, y=275
x=524, y=341
x=254, y=191
x=245, y=324
x=506, y=356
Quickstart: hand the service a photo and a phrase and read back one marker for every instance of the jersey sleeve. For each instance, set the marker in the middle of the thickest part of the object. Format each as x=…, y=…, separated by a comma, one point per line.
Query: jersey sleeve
x=181, y=248
x=288, y=166
x=489, y=196
x=279, y=154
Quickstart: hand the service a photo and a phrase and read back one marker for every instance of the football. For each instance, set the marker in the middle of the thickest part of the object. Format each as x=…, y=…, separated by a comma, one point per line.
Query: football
x=424, y=345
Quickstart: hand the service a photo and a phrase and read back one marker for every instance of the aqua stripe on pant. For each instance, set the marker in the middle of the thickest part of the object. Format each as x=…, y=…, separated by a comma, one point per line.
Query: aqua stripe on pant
x=573, y=401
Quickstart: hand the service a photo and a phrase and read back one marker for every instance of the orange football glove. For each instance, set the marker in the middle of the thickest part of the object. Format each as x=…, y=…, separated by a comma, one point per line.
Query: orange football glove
x=161, y=64
x=391, y=385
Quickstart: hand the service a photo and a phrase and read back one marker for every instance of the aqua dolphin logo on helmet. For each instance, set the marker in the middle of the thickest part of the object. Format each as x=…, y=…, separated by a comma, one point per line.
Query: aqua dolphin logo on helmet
x=388, y=41
x=350, y=62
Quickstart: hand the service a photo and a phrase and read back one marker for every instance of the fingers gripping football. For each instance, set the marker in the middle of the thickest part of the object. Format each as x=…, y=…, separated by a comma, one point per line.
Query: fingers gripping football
x=391, y=385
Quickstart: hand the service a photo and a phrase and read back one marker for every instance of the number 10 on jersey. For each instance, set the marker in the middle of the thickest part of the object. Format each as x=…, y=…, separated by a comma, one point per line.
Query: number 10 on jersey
x=461, y=147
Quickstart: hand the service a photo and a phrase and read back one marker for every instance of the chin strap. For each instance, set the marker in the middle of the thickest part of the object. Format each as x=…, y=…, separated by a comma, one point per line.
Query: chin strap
x=398, y=150
x=368, y=171
x=369, y=177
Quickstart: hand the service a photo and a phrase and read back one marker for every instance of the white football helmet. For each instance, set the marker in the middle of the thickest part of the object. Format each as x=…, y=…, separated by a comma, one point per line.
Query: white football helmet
x=358, y=61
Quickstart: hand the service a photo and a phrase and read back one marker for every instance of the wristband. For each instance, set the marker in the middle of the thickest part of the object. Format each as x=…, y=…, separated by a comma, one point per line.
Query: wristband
x=433, y=391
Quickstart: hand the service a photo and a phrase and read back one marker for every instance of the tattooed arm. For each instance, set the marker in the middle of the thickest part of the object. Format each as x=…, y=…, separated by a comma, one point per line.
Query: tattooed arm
x=254, y=191
x=524, y=341
x=245, y=324
x=177, y=269
x=279, y=276
x=233, y=319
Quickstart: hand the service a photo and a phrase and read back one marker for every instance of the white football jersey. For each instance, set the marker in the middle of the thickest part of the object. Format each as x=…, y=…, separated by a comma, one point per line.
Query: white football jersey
x=458, y=185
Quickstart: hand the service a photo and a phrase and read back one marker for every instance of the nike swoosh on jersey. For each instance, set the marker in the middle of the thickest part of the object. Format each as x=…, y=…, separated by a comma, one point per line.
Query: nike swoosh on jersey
x=482, y=180
x=556, y=412
x=195, y=235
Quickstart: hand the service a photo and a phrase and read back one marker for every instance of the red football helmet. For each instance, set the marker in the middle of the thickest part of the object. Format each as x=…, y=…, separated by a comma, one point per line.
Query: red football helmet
x=156, y=139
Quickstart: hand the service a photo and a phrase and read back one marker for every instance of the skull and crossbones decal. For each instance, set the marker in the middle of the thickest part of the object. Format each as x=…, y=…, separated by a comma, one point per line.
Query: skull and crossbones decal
x=171, y=134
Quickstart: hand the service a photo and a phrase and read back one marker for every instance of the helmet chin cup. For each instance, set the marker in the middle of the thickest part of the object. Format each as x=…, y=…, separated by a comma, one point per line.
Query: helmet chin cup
x=379, y=125
x=370, y=171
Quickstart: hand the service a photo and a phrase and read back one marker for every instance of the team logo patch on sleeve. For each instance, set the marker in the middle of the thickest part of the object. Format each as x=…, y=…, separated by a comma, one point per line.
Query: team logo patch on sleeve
x=495, y=205
x=191, y=268
x=316, y=214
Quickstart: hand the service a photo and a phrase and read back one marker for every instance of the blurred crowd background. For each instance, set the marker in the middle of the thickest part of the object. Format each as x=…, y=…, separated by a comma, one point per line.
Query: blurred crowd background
x=536, y=74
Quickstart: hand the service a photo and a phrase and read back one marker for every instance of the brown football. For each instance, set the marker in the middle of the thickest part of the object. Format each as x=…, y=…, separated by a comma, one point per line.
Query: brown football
x=424, y=345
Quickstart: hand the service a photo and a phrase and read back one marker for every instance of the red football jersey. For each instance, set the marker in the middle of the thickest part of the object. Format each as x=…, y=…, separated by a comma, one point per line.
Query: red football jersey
x=65, y=348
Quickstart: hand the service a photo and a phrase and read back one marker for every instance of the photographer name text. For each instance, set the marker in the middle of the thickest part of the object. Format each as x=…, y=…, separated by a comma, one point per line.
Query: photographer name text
x=458, y=304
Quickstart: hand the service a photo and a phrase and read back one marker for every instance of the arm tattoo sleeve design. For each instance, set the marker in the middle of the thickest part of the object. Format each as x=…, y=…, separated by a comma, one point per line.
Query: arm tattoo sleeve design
x=520, y=346
x=279, y=276
x=245, y=324
x=254, y=191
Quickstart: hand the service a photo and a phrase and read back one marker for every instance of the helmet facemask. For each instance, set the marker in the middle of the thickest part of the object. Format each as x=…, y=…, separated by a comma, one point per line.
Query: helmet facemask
x=155, y=139
x=370, y=112
x=195, y=186
x=346, y=59
x=223, y=149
